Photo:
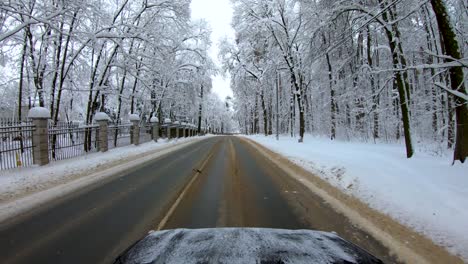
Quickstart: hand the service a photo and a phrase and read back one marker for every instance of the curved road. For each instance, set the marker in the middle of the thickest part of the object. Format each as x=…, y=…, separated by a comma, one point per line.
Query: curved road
x=216, y=182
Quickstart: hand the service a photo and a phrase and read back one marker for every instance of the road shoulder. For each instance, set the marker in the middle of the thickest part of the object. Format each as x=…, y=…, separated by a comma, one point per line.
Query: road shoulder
x=408, y=245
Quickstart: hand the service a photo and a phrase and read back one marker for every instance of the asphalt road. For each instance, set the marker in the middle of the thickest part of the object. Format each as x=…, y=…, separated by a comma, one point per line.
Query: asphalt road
x=217, y=182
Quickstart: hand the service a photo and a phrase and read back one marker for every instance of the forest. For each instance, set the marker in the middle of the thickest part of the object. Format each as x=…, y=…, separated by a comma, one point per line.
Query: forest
x=368, y=70
x=80, y=57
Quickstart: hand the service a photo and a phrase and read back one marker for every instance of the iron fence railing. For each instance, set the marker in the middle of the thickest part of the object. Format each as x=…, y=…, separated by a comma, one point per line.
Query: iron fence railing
x=119, y=135
x=145, y=132
x=16, y=146
x=65, y=140
x=70, y=140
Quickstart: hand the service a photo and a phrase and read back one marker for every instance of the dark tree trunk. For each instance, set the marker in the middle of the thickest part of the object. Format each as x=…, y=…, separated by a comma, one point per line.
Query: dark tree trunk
x=37, y=75
x=58, y=51
x=450, y=125
x=452, y=49
x=200, y=109
x=265, y=114
x=20, y=89
x=401, y=79
x=62, y=69
x=375, y=97
x=332, y=100
x=255, y=115
x=270, y=119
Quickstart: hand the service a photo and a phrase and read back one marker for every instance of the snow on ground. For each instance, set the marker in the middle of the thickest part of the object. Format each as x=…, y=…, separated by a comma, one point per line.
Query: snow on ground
x=20, y=182
x=425, y=192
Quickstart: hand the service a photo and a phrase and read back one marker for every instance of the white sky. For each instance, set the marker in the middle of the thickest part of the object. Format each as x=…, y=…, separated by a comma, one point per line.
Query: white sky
x=218, y=13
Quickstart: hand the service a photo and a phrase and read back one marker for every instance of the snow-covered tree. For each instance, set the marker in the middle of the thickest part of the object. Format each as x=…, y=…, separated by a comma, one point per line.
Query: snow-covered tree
x=373, y=70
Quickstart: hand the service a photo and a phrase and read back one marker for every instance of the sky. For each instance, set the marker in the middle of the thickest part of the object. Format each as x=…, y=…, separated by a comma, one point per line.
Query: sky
x=218, y=13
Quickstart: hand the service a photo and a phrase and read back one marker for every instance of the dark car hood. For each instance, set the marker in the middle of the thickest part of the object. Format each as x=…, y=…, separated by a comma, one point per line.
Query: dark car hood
x=244, y=245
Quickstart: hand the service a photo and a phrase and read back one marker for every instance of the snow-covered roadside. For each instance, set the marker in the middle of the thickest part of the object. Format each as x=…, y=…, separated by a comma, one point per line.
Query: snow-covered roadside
x=424, y=192
x=21, y=182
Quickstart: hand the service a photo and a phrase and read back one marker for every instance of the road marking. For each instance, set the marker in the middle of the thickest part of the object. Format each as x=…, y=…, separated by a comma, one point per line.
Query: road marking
x=181, y=196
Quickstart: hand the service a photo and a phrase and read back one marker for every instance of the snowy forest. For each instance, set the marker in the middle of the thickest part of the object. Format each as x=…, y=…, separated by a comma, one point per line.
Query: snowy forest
x=369, y=70
x=80, y=57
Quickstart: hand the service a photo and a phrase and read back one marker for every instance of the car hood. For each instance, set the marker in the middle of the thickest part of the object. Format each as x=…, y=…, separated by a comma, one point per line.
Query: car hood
x=244, y=245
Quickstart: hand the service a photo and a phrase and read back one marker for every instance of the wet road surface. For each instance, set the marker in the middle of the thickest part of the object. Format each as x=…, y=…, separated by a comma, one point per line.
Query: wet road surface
x=217, y=182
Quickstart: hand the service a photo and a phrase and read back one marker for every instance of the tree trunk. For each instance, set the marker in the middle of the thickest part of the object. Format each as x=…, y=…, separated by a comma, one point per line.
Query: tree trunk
x=293, y=112
x=20, y=90
x=200, y=109
x=456, y=76
x=265, y=114
x=375, y=97
x=58, y=52
x=255, y=115
x=62, y=70
x=20, y=83
x=401, y=80
x=332, y=100
x=450, y=125
x=37, y=76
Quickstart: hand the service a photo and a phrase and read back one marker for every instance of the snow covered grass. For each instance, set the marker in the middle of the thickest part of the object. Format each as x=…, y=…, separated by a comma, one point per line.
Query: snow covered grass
x=20, y=182
x=425, y=192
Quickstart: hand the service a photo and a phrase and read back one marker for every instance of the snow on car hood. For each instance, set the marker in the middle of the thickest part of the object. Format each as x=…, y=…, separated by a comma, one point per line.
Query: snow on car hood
x=244, y=245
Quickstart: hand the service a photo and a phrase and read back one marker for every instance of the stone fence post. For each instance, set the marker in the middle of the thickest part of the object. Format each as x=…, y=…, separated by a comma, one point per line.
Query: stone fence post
x=183, y=129
x=167, y=123
x=135, y=130
x=40, y=117
x=103, y=121
x=155, y=131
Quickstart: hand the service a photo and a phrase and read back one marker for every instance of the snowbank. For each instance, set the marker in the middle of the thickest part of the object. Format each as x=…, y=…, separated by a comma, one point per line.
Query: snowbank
x=424, y=192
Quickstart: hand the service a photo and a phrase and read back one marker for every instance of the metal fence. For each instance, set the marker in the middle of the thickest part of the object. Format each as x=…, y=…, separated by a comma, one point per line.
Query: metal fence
x=16, y=146
x=119, y=135
x=67, y=140
x=145, y=132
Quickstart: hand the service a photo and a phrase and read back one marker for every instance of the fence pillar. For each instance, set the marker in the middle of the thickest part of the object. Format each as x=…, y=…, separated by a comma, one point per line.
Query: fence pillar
x=177, y=124
x=155, y=128
x=135, y=130
x=168, y=122
x=103, y=120
x=183, y=130
x=40, y=117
